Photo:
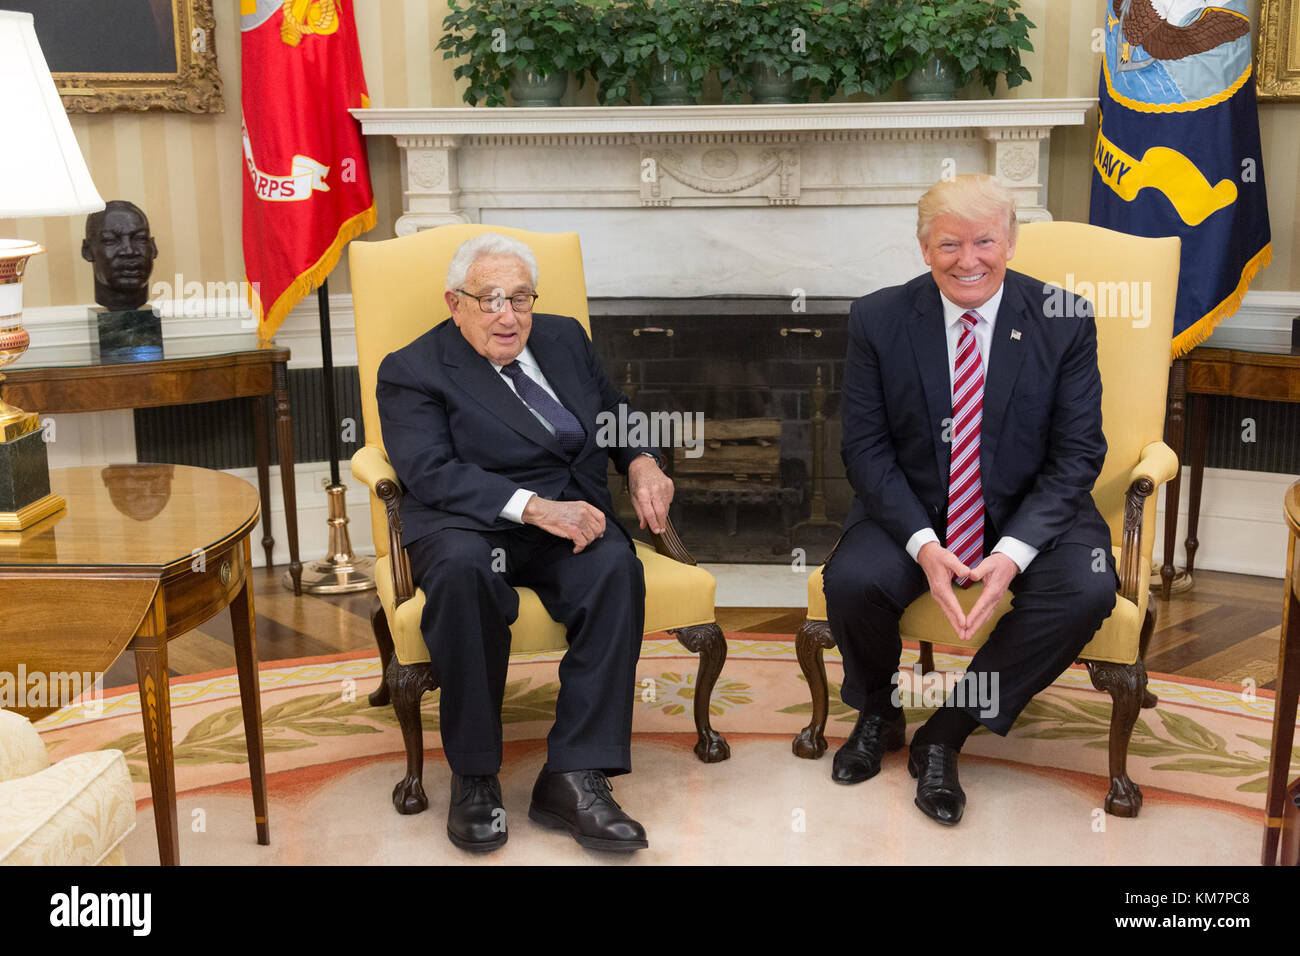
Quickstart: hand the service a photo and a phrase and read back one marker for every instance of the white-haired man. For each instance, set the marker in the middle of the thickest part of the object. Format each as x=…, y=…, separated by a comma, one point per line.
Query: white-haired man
x=489, y=419
x=972, y=439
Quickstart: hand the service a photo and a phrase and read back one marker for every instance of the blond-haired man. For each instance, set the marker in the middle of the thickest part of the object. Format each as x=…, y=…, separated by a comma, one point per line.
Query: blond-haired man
x=972, y=439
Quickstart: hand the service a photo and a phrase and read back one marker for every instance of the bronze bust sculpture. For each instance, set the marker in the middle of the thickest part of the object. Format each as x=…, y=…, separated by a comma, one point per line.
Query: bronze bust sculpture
x=120, y=245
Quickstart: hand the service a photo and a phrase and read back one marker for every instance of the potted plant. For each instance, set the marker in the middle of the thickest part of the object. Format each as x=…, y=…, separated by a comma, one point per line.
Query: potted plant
x=759, y=45
x=944, y=46
x=666, y=50
x=528, y=47
x=603, y=49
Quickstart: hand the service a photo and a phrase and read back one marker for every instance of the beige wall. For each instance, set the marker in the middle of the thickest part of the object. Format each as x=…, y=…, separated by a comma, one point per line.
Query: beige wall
x=184, y=171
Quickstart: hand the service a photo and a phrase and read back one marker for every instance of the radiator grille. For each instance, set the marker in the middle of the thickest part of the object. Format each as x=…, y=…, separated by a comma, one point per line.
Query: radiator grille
x=220, y=434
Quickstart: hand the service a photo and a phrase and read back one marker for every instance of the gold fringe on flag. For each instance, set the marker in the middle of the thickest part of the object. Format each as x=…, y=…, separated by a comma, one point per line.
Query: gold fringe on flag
x=1200, y=330
x=269, y=322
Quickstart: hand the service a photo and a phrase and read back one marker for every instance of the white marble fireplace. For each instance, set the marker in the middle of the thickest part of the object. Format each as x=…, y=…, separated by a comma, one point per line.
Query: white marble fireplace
x=704, y=200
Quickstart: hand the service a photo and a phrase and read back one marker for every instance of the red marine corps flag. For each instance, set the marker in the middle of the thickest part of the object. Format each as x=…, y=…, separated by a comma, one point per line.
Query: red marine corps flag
x=306, y=180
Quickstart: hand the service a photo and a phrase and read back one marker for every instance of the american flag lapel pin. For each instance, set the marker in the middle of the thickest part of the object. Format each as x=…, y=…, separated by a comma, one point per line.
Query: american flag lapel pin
x=1015, y=335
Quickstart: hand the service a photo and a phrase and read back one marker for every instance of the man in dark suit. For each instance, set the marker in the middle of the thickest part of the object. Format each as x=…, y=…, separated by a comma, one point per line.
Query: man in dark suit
x=972, y=439
x=490, y=420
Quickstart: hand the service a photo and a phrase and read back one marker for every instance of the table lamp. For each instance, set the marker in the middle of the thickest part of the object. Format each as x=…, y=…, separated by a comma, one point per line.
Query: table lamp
x=42, y=173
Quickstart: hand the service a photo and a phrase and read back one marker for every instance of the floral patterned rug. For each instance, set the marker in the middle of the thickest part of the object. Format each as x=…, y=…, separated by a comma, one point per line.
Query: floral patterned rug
x=1204, y=744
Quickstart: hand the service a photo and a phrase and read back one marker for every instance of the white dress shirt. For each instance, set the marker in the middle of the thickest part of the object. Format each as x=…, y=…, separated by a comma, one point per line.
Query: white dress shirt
x=1013, y=548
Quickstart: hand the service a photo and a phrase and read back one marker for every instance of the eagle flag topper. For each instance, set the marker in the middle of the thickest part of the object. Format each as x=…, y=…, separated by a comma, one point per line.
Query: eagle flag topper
x=307, y=182
x=1178, y=150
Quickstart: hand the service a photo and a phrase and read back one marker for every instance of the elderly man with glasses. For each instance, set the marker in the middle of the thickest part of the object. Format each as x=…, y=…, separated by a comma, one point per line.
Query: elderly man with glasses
x=490, y=419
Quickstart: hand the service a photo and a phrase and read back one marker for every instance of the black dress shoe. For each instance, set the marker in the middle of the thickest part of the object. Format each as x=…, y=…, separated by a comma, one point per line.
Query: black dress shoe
x=476, y=820
x=580, y=802
x=871, y=737
x=938, y=792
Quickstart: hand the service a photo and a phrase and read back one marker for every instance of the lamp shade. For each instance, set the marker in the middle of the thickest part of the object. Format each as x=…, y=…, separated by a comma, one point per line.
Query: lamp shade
x=42, y=172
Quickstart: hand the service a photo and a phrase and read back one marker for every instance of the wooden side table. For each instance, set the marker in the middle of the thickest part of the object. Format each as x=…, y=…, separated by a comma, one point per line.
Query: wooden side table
x=1282, y=815
x=206, y=370
x=1238, y=373
x=141, y=555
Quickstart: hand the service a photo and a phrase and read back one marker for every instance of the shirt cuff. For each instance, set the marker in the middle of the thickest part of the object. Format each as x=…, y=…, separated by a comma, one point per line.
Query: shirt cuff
x=1016, y=550
x=919, y=540
x=514, y=509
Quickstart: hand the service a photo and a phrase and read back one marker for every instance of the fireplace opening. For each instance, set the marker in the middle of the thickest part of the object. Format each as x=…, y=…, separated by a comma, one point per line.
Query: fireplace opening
x=751, y=388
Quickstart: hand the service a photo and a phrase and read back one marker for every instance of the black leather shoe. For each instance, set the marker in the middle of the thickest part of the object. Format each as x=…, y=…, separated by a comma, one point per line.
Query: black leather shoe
x=938, y=792
x=871, y=738
x=580, y=802
x=476, y=820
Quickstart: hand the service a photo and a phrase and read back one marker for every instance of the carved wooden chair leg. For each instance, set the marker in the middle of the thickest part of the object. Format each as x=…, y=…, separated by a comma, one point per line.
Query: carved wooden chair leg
x=379, y=697
x=927, y=657
x=812, y=639
x=707, y=641
x=1126, y=684
x=1148, y=627
x=408, y=682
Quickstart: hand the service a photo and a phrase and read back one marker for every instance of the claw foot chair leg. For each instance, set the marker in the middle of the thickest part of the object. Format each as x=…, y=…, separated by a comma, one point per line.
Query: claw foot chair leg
x=408, y=682
x=707, y=641
x=812, y=639
x=380, y=697
x=1126, y=684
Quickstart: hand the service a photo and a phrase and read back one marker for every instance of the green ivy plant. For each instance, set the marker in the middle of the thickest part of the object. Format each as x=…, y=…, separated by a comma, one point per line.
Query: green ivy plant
x=494, y=38
x=983, y=37
x=667, y=33
x=844, y=46
x=782, y=35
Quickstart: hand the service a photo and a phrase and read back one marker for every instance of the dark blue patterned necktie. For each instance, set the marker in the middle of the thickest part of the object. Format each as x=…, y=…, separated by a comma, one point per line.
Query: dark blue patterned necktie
x=568, y=430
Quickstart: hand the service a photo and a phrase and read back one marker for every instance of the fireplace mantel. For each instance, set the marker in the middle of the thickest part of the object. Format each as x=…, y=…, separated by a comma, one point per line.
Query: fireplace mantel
x=766, y=193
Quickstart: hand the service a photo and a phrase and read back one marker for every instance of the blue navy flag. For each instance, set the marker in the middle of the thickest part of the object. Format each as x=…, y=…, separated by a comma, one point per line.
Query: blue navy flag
x=1178, y=150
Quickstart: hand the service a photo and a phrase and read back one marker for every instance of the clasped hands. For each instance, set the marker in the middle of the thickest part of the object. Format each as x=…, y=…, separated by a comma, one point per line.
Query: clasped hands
x=941, y=566
x=582, y=523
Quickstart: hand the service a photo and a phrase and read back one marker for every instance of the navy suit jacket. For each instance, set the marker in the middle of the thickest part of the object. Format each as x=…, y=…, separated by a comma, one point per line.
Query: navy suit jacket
x=462, y=442
x=1041, y=441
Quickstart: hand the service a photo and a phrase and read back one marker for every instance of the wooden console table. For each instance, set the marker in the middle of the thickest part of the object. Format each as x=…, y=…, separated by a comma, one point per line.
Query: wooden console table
x=141, y=555
x=199, y=370
x=1271, y=376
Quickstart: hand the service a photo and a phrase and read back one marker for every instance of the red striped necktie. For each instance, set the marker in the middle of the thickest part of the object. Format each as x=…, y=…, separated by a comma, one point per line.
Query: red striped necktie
x=965, y=497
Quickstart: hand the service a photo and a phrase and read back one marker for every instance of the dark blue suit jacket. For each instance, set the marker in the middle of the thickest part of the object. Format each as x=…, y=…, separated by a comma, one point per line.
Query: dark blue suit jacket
x=1041, y=443
x=462, y=442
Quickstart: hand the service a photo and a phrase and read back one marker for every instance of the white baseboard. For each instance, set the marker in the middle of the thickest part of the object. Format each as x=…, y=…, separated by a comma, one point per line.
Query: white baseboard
x=1241, y=528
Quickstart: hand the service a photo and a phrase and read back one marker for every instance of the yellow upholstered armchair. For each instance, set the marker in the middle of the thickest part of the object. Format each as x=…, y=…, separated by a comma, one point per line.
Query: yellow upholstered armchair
x=1133, y=352
x=397, y=288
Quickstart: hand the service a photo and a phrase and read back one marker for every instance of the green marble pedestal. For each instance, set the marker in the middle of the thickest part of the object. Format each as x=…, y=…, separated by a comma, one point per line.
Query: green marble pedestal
x=131, y=335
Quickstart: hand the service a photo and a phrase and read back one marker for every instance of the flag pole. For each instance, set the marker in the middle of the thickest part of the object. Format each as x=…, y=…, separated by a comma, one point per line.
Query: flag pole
x=340, y=571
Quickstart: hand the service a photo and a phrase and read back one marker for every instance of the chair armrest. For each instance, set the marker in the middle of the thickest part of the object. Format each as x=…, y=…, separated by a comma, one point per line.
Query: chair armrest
x=670, y=546
x=371, y=467
x=22, y=752
x=1157, y=465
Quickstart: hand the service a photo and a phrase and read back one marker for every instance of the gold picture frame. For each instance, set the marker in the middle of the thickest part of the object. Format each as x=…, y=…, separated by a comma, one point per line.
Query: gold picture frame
x=193, y=87
x=1277, y=73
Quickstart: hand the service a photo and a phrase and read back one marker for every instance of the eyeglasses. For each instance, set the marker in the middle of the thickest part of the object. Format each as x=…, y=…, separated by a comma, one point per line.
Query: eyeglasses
x=496, y=302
